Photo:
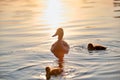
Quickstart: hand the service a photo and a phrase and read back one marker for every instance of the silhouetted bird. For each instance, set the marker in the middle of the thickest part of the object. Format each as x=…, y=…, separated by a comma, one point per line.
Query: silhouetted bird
x=95, y=47
x=60, y=47
x=52, y=72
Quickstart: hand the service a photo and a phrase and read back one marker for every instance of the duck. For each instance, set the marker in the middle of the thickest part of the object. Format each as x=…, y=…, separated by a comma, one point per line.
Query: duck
x=96, y=47
x=60, y=47
x=52, y=72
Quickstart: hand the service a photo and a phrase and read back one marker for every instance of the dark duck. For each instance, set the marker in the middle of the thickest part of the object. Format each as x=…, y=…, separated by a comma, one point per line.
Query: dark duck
x=52, y=72
x=95, y=47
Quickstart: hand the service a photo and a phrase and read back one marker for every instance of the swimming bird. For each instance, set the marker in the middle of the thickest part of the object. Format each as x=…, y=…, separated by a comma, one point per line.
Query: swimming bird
x=60, y=47
x=96, y=47
x=52, y=72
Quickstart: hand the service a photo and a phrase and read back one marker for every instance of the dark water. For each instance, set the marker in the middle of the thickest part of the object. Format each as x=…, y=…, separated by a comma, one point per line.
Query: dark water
x=26, y=27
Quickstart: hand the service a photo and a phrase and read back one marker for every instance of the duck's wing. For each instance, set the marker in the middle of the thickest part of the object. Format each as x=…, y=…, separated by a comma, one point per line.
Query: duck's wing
x=55, y=48
x=66, y=46
x=52, y=47
x=100, y=47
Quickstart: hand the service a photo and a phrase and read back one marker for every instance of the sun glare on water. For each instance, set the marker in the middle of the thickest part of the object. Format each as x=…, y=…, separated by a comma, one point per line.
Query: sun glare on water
x=53, y=13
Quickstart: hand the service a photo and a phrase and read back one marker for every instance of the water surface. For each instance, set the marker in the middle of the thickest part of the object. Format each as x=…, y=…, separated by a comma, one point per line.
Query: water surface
x=26, y=27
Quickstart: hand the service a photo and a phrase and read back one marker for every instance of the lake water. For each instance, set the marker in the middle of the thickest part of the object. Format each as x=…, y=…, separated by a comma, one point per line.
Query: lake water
x=26, y=27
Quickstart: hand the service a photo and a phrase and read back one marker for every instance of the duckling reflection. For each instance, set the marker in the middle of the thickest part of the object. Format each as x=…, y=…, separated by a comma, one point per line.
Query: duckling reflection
x=60, y=47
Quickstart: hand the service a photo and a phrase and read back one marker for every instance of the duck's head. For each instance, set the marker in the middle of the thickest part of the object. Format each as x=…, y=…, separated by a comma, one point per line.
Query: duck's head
x=90, y=46
x=47, y=69
x=60, y=33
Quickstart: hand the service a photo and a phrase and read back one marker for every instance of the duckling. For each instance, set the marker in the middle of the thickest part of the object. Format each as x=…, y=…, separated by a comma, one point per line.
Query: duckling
x=95, y=47
x=52, y=72
x=60, y=47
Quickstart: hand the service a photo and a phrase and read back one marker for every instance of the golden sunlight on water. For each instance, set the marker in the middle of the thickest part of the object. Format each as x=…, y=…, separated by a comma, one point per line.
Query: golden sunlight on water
x=53, y=13
x=26, y=27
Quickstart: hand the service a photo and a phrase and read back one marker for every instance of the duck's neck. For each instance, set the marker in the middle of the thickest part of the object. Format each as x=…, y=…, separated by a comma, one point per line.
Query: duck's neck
x=60, y=37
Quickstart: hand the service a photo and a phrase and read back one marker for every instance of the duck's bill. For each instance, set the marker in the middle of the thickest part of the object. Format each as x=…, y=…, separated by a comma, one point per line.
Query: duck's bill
x=54, y=35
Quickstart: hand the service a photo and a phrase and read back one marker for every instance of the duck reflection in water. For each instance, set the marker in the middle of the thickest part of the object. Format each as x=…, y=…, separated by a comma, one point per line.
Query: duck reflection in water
x=60, y=47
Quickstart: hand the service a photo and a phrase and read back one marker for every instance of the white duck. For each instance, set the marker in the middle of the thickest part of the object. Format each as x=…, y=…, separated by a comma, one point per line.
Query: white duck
x=60, y=47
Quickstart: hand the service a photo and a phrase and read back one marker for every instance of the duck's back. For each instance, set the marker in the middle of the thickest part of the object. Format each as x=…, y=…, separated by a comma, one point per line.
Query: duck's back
x=100, y=48
x=56, y=71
